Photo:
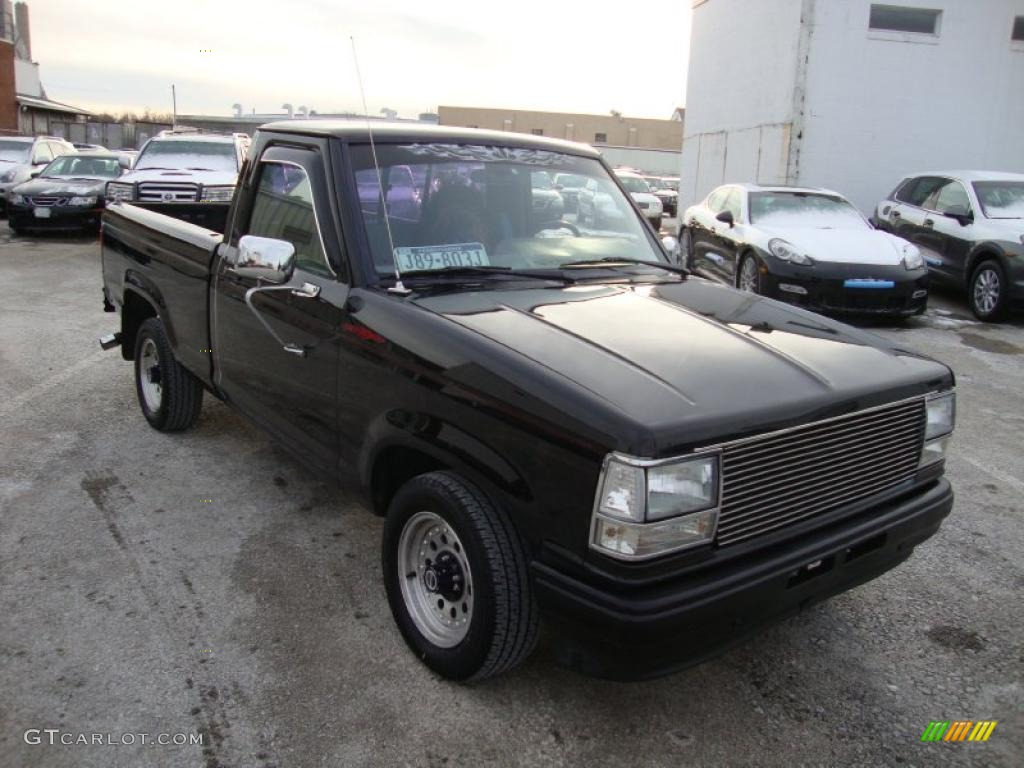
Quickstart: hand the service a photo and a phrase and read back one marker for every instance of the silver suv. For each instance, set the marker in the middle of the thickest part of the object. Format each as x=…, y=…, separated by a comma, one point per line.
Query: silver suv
x=21, y=155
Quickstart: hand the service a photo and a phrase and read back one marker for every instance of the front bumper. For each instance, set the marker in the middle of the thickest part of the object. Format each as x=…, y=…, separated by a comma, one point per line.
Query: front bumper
x=624, y=634
x=825, y=289
x=61, y=217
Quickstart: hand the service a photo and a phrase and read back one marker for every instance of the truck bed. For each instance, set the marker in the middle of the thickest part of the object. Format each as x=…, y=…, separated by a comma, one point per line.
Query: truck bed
x=160, y=253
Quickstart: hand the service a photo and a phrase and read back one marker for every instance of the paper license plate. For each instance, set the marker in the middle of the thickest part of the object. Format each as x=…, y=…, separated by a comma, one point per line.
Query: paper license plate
x=441, y=256
x=867, y=283
x=41, y=213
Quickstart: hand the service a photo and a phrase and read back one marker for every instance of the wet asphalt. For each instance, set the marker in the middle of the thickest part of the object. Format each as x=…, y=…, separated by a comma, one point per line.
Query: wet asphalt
x=204, y=584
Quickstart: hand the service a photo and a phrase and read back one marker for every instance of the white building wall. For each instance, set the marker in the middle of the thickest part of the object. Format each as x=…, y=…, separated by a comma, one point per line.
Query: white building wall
x=880, y=105
x=739, y=93
x=663, y=161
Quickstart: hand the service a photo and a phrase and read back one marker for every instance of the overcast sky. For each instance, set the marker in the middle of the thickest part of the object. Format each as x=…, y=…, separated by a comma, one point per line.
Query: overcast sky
x=560, y=55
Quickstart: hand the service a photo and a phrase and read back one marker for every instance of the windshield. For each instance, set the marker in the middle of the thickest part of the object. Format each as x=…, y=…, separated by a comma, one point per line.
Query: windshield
x=191, y=155
x=473, y=206
x=15, y=151
x=803, y=210
x=1001, y=199
x=569, y=180
x=83, y=167
x=541, y=180
x=634, y=184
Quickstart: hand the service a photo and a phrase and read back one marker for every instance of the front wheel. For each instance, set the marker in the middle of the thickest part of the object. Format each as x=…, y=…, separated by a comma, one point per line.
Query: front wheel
x=748, y=277
x=456, y=579
x=170, y=396
x=987, y=292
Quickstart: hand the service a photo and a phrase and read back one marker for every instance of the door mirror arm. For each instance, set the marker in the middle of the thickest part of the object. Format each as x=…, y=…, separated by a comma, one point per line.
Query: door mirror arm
x=307, y=291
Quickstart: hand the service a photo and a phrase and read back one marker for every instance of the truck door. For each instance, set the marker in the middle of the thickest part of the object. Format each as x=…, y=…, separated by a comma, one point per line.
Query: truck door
x=276, y=355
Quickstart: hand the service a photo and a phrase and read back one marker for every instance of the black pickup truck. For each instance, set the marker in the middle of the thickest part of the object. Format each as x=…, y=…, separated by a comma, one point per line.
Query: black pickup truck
x=556, y=421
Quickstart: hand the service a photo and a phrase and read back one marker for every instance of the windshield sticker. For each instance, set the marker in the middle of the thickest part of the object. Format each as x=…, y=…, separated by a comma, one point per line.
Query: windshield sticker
x=484, y=154
x=437, y=257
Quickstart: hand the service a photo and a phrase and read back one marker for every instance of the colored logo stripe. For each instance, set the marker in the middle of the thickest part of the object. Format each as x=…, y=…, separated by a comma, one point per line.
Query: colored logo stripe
x=958, y=730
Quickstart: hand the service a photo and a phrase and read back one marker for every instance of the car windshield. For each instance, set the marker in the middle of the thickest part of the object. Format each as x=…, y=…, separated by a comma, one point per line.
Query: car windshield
x=474, y=206
x=634, y=184
x=1001, y=199
x=804, y=210
x=83, y=166
x=569, y=180
x=193, y=155
x=15, y=151
x=653, y=182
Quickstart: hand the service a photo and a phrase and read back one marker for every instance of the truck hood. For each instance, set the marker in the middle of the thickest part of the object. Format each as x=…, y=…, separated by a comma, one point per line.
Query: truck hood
x=845, y=246
x=691, y=363
x=206, y=178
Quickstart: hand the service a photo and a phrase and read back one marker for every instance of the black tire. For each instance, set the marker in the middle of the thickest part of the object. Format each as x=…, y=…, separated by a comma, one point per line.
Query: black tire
x=991, y=272
x=504, y=624
x=686, y=247
x=759, y=287
x=181, y=394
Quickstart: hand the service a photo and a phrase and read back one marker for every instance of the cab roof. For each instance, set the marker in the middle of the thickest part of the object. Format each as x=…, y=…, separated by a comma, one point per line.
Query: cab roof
x=972, y=175
x=393, y=133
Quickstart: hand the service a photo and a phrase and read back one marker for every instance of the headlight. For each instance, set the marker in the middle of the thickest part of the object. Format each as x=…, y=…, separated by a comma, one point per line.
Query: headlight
x=788, y=252
x=912, y=258
x=17, y=199
x=646, y=508
x=216, y=194
x=117, y=191
x=8, y=176
x=82, y=201
x=941, y=410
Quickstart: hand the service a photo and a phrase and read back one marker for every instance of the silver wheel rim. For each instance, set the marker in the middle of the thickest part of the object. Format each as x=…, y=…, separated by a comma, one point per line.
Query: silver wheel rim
x=437, y=584
x=748, y=276
x=986, y=291
x=149, y=376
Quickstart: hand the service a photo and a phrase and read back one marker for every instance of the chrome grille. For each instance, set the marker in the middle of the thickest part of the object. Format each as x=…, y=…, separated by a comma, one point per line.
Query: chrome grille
x=156, y=191
x=46, y=202
x=780, y=478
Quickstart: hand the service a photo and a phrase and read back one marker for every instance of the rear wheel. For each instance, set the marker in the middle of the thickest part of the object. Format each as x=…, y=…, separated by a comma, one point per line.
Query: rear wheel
x=170, y=396
x=456, y=579
x=986, y=291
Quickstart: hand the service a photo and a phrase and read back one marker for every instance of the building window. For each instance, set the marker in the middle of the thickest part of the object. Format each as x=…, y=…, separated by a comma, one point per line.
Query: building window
x=600, y=138
x=1018, y=30
x=537, y=131
x=900, y=18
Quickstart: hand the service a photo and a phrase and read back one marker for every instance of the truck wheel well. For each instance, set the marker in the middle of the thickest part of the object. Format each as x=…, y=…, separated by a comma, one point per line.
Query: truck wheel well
x=134, y=312
x=976, y=259
x=392, y=468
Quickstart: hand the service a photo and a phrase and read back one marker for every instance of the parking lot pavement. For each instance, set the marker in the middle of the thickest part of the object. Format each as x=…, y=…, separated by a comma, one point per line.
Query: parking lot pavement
x=203, y=583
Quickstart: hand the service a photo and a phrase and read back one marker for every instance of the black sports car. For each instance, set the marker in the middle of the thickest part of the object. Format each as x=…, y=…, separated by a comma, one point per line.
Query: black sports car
x=66, y=194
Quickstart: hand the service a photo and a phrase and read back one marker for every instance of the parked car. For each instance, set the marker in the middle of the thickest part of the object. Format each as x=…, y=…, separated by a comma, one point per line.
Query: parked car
x=970, y=227
x=645, y=199
x=665, y=192
x=20, y=155
x=569, y=186
x=183, y=167
x=80, y=147
x=805, y=246
x=66, y=194
x=556, y=424
x=547, y=201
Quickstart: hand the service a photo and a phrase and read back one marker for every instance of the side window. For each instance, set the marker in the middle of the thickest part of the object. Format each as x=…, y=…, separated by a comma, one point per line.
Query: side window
x=919, y=191
x=42, y=153
x=716, y=200
x=58, y=149
x=952, y=196
x=282, y=208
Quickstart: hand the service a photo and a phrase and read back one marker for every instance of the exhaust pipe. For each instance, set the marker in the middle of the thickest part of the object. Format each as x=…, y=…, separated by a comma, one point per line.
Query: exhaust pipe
x=110, y=340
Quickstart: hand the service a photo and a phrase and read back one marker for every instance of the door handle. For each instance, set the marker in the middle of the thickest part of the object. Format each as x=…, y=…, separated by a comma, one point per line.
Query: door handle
x=929, y=223
x=896, y=214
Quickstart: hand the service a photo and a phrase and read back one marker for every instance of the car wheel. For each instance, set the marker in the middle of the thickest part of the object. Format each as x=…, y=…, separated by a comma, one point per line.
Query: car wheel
x=456, y=579
x=986, y=292
x=170, y=396
x=748, y=276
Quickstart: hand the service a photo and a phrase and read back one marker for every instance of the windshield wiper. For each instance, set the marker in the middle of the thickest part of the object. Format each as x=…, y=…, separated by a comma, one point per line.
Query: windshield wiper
x=200, y=169
x=536, y=274
x=610, y=262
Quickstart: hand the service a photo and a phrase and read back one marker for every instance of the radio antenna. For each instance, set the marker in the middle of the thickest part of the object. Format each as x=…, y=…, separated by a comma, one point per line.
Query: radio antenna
x=398, y=287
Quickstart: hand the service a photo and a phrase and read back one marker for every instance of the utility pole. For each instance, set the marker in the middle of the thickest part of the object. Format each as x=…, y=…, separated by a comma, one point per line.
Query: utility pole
x=174, y=107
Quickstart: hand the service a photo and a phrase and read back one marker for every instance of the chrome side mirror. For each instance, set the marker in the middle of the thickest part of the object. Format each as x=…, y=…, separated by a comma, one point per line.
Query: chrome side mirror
x=672, y=246
x=264, y=258
x=125, y=161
